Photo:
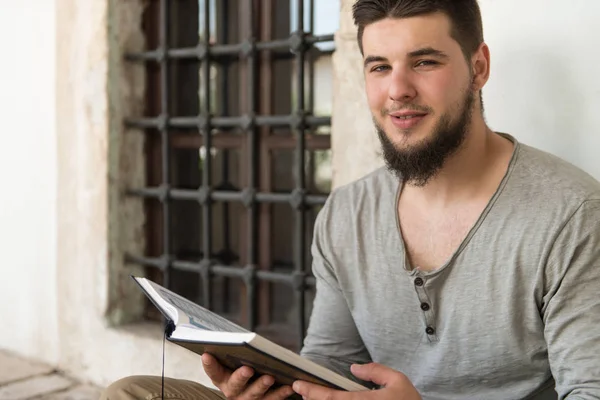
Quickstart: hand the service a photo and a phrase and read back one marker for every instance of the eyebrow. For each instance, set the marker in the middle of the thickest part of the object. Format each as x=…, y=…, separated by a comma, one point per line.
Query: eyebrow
x=373, y=59
x=425, y=51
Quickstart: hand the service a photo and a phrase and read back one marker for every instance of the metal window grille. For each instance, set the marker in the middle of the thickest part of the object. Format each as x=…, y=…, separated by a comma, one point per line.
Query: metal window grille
x=234, y=141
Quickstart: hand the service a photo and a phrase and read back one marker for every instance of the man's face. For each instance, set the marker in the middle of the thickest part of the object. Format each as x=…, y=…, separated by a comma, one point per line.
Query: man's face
x=419, y=90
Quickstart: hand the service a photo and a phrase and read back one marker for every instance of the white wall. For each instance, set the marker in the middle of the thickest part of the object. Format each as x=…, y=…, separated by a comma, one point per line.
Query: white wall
x=545, y=83
x=28, y=178
x=544, y=87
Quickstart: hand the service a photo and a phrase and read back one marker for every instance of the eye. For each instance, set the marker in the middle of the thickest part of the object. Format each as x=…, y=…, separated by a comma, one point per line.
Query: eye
x=380, y=68
x=426, y=63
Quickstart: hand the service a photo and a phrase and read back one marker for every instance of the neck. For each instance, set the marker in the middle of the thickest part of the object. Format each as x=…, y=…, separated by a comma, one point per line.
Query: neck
x=466, y=173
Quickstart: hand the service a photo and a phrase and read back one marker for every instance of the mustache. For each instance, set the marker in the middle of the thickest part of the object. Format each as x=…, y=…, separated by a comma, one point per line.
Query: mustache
x=406, y=107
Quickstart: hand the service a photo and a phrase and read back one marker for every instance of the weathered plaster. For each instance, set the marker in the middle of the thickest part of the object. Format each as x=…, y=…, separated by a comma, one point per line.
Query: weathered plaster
x=126, y=161
x=98, y=160
x=355, y=146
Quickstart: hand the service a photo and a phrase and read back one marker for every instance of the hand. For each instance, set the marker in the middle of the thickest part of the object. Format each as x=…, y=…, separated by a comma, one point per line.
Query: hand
x=234, y=385
x=396, y=386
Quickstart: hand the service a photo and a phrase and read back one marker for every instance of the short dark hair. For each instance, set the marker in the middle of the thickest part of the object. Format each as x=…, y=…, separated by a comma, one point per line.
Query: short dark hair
x=465, y=17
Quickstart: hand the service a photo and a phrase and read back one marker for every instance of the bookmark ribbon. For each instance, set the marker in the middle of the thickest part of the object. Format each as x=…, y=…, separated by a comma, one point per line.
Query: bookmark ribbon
x=169, y=328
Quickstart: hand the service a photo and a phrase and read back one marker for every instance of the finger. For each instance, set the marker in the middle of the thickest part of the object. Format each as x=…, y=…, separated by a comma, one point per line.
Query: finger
x=217, y=373
x=258, y=388
x=376, y=373
x=280, y=393
x=310, y=391
x=238, y=381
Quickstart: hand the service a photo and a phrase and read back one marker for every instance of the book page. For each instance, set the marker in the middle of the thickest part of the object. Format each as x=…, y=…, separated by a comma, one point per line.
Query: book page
x=198, y=316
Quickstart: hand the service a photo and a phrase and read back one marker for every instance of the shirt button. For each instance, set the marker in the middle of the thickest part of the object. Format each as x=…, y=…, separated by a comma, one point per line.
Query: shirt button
x=429, y=330
x=419, y=282
x=424, y=306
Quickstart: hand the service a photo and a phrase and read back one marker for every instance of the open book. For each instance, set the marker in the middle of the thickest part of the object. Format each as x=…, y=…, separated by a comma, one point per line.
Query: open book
x=200, y=330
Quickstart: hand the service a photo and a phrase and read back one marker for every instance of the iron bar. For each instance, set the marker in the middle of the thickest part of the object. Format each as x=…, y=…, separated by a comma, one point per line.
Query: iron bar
x=223, y=37
x=230, y=271
x=252, y=159
x=232, y=141
x=229, y=122
x=164, y=134
x=311, y=63
x=216, y=50
x=207, y=163
x=265, y=167
x=299, y=244
x=311, y=92
x=193, y=195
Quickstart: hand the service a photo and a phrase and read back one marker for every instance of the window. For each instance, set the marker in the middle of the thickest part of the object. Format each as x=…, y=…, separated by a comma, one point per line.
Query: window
x=237, y=129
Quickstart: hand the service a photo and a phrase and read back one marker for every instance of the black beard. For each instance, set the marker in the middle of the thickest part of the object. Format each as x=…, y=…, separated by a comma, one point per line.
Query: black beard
x=419, y=163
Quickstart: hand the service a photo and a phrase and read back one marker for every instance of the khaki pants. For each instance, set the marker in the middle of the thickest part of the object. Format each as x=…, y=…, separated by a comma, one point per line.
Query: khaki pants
x=149, y=388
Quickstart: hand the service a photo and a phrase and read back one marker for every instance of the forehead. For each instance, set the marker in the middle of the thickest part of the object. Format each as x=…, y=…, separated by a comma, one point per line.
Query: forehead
x=407, y=34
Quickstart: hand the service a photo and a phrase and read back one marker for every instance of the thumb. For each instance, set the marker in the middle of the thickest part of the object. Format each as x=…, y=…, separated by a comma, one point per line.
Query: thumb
x=217, y=373
x=376, y=373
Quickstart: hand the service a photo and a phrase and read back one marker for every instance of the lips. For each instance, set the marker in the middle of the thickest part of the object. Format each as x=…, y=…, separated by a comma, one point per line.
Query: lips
x=407, y=119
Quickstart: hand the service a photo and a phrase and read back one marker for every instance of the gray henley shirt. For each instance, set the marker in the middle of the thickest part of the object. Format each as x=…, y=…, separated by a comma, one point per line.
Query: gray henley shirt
x=513, y=314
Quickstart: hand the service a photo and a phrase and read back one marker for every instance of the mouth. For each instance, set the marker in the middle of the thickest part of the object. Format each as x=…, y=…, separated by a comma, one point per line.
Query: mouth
x=407, y=120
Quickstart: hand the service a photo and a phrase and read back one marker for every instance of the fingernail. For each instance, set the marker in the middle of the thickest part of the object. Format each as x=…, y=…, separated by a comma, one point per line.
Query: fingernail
x=247, y=373
x=268, y=381
x=206, y=361
x=296, y=386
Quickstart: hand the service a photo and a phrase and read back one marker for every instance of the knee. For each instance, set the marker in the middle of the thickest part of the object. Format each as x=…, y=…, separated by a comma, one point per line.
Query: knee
x=129, y=388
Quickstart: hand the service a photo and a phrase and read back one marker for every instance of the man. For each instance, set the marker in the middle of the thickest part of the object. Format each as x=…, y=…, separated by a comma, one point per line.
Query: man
x=469, y=268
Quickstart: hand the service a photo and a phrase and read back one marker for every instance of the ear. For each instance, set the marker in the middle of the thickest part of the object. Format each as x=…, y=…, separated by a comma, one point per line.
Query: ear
x=480, y=64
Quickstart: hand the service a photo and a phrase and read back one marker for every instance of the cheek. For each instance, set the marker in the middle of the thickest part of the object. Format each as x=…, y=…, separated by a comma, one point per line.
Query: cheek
x=441, y=91
x=376, y=93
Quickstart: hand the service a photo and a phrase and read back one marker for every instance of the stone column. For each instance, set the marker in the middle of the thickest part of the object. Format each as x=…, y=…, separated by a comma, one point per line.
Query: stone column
x=355, y=146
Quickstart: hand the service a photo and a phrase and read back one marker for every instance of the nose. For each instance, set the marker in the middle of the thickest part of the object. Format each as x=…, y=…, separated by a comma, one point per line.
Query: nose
x=401, y=87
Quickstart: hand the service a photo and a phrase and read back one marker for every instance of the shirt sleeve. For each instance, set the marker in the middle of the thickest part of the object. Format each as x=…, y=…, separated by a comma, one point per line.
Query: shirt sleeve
x=332, y=339
x=571, y=305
